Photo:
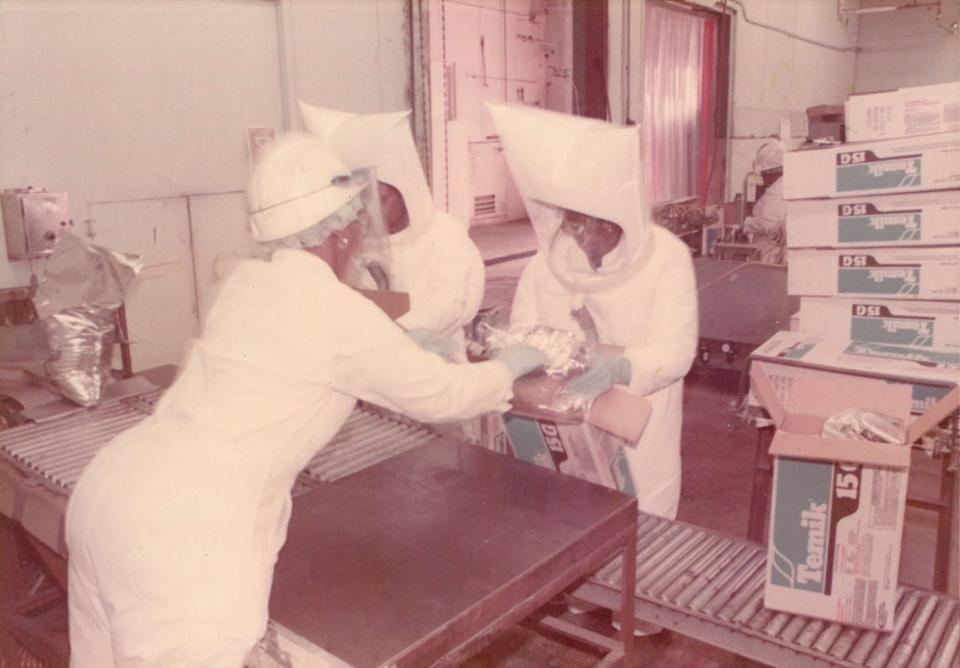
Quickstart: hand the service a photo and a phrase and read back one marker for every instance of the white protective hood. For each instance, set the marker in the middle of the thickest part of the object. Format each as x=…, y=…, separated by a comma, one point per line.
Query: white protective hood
x=584, y=164
x=385, y=143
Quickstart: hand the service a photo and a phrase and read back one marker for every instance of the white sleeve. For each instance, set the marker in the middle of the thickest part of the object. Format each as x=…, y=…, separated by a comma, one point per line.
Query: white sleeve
x=671, y=344
x=447, y=297
x=398, y=375
x=768, y=216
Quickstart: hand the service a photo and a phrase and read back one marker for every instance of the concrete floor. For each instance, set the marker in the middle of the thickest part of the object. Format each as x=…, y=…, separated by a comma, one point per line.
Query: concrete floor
x=717, y=451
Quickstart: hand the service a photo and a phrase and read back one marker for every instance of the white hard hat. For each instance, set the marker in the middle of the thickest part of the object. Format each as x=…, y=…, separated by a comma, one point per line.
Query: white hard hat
x=294, y=187
x=770, y=155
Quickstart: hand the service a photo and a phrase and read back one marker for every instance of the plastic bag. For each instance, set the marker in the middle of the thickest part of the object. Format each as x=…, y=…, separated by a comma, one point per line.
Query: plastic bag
x=858, y=424
x=565, y=353
x=82, y=340
x=82, y=288
x=542, y=393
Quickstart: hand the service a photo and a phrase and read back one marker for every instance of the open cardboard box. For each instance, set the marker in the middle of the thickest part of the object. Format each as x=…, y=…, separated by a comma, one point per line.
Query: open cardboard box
x=590, y=446
x=837, y=505
x=617, y=411
x=800, y=421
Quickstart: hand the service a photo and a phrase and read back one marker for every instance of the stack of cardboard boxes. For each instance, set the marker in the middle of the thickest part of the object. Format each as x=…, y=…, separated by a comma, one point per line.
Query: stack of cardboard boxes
x=873, y=235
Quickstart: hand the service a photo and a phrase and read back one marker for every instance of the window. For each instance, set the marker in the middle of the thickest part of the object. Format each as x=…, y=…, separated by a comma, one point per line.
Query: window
x=684, y=102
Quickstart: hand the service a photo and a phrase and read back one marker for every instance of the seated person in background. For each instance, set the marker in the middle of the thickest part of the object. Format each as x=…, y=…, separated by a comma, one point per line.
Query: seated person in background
x=432, y=257
x=607, y=273
x=766, y=225
x=175, y=526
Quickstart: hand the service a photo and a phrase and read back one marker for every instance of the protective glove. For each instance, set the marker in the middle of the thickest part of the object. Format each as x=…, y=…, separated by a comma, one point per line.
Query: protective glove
x=521, y=359
x=432, y=342
x=604, y=373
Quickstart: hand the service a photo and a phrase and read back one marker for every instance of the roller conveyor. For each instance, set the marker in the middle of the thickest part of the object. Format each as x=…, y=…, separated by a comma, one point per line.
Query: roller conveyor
x=368, y=437
x=52, y=455
x=710, y=586
x=58, y=451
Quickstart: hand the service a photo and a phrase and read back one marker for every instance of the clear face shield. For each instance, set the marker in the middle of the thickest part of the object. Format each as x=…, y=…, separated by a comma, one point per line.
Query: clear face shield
x=595, y=237
x=363, y=225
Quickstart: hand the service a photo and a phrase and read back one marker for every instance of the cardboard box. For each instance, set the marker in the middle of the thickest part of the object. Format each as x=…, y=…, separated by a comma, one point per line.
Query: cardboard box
x=580, y=450
x=838, y=504
x=825, y=121
x=913, y=325
x=589, y=446
x=843, y=355
x=923, y=395
x=899, y=273
x=921, y=219
x=616, y=411
x=904, y=112
x=929, y=162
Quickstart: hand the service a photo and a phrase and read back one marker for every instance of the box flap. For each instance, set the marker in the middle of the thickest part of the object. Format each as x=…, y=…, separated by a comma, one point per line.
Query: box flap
x=825, y=397
x=942, y=409
x=803, y=446
x=621, y=413
x=798, y=423
x=766, y=394
x=394, y=304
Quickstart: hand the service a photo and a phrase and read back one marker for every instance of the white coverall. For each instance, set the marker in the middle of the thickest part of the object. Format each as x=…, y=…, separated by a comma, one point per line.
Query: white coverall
x=766, y=225
x=434, y=260
x=642, y=298
x=174, y=528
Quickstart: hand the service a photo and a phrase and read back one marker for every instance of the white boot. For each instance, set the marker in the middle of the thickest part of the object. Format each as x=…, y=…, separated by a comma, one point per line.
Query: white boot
x=640, y=628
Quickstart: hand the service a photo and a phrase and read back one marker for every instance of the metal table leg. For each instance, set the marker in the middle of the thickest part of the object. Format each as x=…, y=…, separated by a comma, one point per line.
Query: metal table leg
x=628, y=595
x=762, y=481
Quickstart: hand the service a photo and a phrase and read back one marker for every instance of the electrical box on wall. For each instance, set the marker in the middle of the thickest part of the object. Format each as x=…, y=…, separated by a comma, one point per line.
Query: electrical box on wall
x=32, y=221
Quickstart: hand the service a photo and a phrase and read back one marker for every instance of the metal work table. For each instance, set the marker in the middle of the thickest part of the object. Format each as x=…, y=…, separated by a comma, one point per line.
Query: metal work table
x=418, y=561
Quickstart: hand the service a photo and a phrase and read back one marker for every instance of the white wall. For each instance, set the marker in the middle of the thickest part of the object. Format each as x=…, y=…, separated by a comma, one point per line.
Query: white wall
x=778, y=77
x=352, y=54
x=907, y=48
x=139, y=110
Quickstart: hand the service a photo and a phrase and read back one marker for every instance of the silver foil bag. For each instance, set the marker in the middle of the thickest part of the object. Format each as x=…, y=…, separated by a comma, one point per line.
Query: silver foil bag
x=81, y=342
x=862, y=425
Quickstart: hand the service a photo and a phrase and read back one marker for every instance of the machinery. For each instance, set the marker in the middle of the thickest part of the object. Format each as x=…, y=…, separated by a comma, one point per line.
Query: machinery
x=32, y=221
x=742, y=304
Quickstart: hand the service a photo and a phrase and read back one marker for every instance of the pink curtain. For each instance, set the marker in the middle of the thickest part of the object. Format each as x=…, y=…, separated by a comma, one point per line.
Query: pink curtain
x=675, y=141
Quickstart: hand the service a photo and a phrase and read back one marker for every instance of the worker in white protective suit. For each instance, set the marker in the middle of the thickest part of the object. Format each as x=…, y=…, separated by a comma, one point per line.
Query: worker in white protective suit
x=766, y=225
x=432, y=257
x=607, y=273
x=174, y=528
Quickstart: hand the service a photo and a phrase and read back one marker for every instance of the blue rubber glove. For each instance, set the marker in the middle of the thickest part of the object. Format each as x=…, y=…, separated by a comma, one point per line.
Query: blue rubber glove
x=435, y=343
x=604, y=373
x=521, y=359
